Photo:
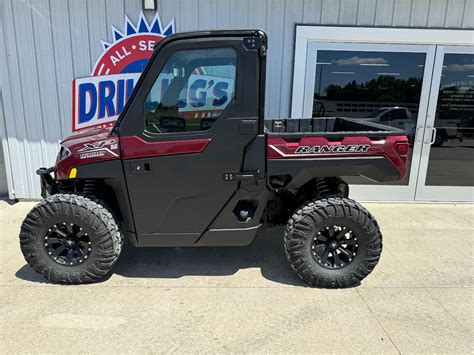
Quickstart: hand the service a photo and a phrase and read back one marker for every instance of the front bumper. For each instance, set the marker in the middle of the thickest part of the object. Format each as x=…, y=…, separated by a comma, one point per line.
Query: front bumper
x=48, y=184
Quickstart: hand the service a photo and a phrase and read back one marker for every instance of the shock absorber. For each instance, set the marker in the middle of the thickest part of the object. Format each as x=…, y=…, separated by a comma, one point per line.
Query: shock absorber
x=322, y=187
x=90, y=187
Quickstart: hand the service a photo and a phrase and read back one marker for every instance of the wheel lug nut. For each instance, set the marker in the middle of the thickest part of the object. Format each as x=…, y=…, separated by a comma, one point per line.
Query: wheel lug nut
x=89, y=249
x=89, y=243
x=85, y=257
x=50, y=253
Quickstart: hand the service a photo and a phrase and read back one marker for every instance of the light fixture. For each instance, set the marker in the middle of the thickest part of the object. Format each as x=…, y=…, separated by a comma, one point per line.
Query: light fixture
x=149, y=4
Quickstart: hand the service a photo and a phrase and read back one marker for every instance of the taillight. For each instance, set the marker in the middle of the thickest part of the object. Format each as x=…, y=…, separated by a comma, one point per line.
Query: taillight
x=402, y=148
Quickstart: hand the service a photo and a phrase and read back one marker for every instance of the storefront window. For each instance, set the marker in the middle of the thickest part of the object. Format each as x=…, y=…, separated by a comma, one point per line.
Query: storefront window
x=451, y=160
x=382, y=87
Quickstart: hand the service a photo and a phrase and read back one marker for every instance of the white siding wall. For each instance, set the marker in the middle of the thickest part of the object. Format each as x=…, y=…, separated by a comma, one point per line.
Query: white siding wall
x=44, y=44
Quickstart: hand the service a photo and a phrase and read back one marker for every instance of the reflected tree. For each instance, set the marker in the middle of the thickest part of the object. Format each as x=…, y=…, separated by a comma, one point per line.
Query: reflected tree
x=385, y=88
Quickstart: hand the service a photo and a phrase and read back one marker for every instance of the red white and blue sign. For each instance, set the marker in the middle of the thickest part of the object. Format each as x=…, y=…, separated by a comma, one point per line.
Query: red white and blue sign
x=99, y=99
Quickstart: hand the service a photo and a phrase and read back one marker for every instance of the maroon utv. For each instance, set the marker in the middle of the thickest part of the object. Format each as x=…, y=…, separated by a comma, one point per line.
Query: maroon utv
x=191, y=162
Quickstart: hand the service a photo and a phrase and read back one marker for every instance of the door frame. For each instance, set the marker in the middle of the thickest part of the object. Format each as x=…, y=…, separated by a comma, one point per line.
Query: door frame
x=171, y=176
x=360, y=37
x=439, y=193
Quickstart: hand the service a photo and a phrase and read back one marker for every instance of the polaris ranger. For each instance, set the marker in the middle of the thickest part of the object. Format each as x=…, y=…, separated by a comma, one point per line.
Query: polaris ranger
x=192, y=162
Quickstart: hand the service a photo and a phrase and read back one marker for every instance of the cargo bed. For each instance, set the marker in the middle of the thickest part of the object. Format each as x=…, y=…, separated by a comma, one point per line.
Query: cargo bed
x=300, y=149
x=328, y=127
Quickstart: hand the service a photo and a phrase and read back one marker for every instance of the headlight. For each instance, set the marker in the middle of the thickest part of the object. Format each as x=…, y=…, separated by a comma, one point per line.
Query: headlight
x=63, y=153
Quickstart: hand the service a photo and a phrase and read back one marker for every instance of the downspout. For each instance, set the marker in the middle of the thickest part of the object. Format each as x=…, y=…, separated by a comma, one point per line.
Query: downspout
x=6, y=150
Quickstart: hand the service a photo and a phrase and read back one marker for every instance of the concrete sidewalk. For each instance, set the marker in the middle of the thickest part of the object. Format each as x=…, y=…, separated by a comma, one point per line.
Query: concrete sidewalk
x=419, y=298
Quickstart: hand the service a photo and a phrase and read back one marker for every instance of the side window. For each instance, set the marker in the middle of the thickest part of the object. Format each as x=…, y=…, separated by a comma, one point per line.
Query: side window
x=387, y=116
x=191, y=91
x=400, y=115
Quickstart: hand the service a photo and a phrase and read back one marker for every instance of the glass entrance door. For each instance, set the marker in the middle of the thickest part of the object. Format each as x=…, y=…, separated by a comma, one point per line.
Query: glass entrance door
x=387, y=84
x=447, y=160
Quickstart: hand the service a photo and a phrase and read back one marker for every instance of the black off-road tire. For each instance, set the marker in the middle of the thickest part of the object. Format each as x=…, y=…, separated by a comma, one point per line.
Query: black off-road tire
x=440, y=138
x=106, y=240
x=317, y=215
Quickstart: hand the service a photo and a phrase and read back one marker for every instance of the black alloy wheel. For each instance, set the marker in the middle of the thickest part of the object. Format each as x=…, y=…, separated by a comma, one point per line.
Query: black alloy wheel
x=334, y=247
x=67, y=243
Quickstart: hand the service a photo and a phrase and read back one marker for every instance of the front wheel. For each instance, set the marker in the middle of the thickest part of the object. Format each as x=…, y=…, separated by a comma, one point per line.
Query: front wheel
x=333, y=242
x=70, y=239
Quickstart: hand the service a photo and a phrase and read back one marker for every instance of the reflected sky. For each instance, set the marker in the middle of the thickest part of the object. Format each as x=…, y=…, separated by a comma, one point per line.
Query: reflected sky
x=343, y=67
x=458, y=70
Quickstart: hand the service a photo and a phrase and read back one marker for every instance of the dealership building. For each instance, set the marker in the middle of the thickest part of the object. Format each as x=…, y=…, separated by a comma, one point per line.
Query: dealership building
x=403, y=63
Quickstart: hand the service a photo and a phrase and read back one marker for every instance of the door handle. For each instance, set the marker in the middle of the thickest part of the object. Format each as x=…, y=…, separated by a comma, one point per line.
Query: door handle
x=242, y=176
x=433, y=135
x=140, y=167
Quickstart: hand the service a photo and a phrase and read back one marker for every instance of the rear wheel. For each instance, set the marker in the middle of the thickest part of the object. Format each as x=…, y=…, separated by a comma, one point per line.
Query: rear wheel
x=440, y=138
x=332, y=242
x=70, y=239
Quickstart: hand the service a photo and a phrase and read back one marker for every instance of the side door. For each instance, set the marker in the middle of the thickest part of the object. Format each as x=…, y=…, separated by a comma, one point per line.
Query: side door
x=190, y=120
x=447, y=163
x=399, y=118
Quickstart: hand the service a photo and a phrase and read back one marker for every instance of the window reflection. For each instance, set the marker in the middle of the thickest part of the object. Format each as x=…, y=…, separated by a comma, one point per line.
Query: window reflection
x=452, y=153
x=192, y=90
x=382, y=87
